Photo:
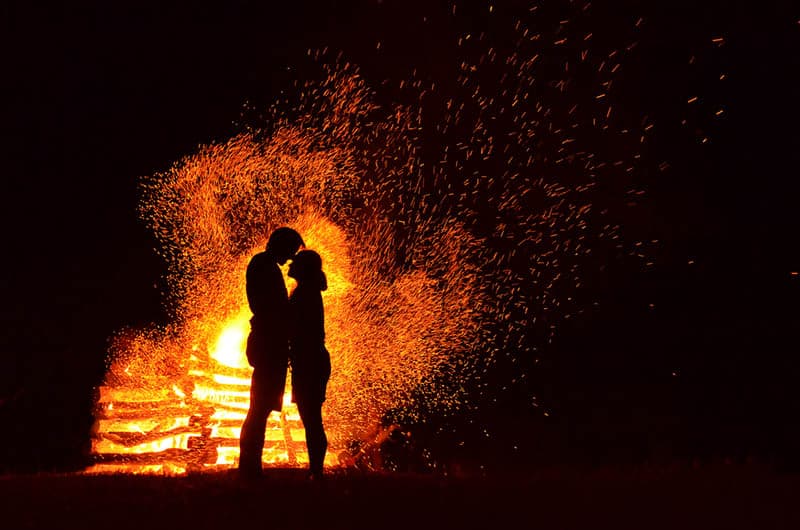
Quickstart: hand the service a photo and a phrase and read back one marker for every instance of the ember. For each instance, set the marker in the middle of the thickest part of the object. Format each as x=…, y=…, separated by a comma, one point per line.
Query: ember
x=435, y=266
x=175, y=398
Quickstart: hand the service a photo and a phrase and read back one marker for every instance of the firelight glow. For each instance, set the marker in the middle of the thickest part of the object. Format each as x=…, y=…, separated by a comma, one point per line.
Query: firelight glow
x=436, y=263
x=230, y=347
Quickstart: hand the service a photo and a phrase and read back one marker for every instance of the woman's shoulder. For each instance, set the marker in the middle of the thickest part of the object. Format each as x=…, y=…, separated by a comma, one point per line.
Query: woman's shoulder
x=304, y=292
x=306, y=297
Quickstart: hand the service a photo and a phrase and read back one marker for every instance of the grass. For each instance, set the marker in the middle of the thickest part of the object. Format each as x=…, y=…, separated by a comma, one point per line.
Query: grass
x=736, y=497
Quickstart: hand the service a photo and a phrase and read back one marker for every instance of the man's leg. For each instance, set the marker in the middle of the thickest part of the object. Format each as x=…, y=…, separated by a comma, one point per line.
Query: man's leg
x=251, y=440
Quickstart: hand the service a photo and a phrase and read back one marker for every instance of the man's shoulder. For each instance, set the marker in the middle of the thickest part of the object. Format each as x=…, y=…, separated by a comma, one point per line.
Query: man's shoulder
x=262, y=260
x=261, y=264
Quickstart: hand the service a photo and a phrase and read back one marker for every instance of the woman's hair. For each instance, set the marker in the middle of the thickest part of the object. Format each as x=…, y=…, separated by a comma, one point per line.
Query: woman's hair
x=307, y=266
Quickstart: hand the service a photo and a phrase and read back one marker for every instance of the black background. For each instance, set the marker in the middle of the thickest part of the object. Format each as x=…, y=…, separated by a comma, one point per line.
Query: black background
x=98, y=94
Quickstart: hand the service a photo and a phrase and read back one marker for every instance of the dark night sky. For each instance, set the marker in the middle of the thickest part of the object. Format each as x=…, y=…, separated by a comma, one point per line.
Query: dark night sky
x=101, y=93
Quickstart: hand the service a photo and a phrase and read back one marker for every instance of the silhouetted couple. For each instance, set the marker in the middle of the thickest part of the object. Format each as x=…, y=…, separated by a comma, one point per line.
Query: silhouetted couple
x=285, y=329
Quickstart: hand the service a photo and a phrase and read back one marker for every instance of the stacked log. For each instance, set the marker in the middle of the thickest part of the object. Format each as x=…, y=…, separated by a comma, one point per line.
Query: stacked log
x=192, y=424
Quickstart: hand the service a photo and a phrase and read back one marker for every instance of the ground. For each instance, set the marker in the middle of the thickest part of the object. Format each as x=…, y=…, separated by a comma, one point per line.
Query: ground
x=686, y=499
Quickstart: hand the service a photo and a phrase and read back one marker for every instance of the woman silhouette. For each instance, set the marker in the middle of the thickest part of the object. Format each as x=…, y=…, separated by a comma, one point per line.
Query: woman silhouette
x=310, y=361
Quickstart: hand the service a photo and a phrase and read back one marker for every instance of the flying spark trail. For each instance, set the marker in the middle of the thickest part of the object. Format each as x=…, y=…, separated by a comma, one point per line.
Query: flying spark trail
x=454, y=228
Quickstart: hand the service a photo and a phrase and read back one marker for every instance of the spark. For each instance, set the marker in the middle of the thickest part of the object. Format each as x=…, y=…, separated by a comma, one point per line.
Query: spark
x=436, y=265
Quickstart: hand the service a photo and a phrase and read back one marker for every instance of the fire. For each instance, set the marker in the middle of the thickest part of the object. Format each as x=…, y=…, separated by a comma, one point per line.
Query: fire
x=191, y=419
x=438, y=258
x=229, y=349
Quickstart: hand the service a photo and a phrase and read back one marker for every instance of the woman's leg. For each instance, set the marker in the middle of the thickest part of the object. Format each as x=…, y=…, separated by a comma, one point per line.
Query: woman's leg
x=316, y=441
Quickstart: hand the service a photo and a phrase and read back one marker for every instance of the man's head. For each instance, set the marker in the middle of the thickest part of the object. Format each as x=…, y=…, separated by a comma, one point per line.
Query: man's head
x=284, y=243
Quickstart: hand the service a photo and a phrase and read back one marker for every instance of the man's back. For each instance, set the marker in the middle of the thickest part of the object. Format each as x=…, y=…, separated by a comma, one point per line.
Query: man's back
x=266, y=294
x=266, y=291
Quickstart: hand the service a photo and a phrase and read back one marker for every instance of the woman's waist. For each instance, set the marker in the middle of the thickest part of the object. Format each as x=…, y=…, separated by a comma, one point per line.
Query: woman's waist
x=307, y=342
x=302, y=351
x=310, y=366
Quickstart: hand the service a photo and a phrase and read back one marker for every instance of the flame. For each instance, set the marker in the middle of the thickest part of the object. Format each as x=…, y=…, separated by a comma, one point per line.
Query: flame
x=230, y=347
x=195, y=419
x=435, y=265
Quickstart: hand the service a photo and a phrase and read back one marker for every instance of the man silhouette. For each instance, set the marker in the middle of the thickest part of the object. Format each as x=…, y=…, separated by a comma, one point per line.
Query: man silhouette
x=268, y=342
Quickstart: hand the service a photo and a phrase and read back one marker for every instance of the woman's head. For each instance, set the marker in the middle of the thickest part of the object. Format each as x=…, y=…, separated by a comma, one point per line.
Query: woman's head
x=306, y=268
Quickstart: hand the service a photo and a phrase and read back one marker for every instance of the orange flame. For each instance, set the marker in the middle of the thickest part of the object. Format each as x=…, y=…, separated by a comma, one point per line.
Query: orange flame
x=411, y=285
